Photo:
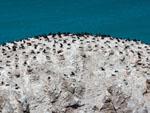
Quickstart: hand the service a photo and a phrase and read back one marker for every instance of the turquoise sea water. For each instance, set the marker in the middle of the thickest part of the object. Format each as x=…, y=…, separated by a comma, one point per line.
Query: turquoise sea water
x=120, y=18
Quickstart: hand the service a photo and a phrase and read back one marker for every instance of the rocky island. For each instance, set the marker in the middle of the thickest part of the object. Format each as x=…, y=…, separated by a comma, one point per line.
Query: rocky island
x=75, y=73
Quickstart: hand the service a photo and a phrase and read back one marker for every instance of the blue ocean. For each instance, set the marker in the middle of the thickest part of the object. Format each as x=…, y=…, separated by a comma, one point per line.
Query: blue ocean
x=20, y=19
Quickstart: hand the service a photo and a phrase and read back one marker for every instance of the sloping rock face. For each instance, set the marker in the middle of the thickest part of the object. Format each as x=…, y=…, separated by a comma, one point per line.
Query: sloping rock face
x=75, y=74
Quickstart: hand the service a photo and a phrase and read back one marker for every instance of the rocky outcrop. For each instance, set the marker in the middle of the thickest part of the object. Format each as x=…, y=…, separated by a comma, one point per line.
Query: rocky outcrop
x=68, y=73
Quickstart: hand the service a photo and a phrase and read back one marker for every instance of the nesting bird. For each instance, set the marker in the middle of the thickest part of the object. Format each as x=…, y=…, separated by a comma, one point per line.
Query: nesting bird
x=65, y=72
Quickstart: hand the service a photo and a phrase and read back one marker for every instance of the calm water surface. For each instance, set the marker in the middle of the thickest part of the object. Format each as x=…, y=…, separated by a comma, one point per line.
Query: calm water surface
x=120, y=18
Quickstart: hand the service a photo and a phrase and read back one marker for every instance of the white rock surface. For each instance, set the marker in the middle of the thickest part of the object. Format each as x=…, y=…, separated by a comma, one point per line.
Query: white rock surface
x=75, y=74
